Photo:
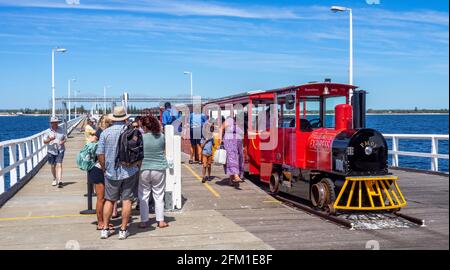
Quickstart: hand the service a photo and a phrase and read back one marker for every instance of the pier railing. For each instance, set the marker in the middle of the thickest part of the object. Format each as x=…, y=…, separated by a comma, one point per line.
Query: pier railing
x=26, y=157
x=433, y=154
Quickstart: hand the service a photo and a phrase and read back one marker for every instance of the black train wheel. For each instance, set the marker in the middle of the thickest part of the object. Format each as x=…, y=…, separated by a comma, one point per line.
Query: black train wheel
x=274, y=183
x=323, y=194
x=331, y=198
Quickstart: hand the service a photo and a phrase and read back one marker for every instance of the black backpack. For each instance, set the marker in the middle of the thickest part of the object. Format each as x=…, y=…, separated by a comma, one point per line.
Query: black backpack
x=130, y=148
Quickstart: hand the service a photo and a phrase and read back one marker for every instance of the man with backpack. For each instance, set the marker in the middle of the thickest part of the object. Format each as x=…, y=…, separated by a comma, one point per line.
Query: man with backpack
x=120, y=152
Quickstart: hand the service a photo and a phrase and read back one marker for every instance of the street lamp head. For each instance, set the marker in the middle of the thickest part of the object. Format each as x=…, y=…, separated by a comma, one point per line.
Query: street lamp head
x=187, y=72
x=338, y=8
x=62, y=50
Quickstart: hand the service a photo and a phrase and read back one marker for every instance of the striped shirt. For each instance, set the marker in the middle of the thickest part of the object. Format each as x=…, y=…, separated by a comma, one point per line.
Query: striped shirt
x=107, y=145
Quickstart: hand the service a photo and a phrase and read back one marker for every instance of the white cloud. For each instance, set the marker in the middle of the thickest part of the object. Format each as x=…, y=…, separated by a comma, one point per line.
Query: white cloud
x=174, y=7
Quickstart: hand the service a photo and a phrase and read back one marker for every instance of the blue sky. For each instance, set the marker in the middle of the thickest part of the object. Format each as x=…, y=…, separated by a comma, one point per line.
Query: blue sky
x=143, y=46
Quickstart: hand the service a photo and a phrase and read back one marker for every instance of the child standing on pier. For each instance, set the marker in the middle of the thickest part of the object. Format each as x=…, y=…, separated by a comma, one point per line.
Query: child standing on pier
x=207, y=154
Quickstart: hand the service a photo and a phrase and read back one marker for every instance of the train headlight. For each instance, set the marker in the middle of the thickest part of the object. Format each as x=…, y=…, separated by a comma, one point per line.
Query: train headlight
x=368, y=150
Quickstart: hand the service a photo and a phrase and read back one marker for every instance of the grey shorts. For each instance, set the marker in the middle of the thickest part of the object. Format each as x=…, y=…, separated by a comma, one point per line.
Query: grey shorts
x=53, y=159
x=125, y=189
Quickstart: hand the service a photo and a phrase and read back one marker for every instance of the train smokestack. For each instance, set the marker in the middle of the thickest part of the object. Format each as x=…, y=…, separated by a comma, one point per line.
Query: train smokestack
x=359, y=109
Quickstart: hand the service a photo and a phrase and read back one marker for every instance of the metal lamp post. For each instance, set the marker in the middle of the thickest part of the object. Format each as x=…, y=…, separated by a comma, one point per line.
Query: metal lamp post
x=350, y=68
x=104, y=97
x=68, y=93
x=61, y=50
x=76, y=104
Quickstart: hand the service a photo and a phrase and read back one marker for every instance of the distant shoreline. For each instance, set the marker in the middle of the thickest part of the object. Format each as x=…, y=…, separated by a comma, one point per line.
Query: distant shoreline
x=13, y=115
x=407, y=113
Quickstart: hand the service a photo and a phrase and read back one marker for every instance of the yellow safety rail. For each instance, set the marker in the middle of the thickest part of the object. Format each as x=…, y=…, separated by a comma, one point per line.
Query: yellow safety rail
x=372, y=193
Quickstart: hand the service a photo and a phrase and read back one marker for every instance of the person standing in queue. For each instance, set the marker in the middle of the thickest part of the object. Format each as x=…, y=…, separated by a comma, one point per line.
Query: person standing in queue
x=152, y=178
x=97, y=178
x=233, y=137
x=120, y=180
x=89, y=130
x=196, y=122
x=168, y=116
x=55, y=140
x=207, y=154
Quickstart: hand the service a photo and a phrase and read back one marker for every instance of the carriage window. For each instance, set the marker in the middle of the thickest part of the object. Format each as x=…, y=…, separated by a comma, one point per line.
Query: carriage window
x=330, y=105
x=261, y=107
x=286, y=111
x=310, y=114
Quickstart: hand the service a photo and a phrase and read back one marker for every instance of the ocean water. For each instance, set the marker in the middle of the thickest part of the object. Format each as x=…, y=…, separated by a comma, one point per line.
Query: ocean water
x=414, y=124
x=23, y=126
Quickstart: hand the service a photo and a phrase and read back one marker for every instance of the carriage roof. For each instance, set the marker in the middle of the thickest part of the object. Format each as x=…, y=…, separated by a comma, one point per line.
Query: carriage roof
x=313, y=88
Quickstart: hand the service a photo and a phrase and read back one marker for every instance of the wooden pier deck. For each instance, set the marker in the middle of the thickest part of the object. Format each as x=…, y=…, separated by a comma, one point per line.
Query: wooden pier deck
x=214, y=216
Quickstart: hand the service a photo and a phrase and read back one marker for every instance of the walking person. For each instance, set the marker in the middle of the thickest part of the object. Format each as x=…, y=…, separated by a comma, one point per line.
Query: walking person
x=55, y=140
x=120, y=180
x=153, y=172
x=96, y=176
x=233, y=143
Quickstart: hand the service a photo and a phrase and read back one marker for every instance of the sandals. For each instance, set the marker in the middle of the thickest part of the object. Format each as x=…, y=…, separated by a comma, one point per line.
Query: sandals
x=191, y=161
x=144, y=225
x=164, y=226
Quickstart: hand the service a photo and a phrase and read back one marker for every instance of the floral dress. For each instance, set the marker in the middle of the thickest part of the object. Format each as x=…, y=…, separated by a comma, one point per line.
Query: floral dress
x=233, y=143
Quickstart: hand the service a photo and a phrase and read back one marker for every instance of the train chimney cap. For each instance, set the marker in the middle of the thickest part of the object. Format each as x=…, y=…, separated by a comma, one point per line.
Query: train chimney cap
x=327, y=80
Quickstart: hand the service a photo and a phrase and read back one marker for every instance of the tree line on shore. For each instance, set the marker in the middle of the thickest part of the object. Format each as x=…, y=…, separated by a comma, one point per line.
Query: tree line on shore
x=80, y=110
x=415, y=110
x=134, y=110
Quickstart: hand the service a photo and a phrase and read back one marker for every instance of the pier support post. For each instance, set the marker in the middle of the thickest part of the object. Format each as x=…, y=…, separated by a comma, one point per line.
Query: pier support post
x=90, y=191
x=434, y=151
x=394, y=151
x=2, y=166
x=12, y=160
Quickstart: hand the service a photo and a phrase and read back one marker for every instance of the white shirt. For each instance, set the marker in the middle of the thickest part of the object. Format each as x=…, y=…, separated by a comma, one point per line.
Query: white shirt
x=55, y=147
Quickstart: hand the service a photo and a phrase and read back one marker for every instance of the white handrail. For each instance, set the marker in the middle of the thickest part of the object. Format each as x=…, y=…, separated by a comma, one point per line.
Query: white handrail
x=25, y=154
x=434, y=154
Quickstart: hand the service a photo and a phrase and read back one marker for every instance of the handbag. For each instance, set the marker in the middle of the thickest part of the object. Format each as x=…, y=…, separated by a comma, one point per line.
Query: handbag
x=220, y=156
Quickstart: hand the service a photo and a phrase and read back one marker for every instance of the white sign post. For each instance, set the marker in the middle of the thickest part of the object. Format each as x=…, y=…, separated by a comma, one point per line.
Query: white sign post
x=173, y=173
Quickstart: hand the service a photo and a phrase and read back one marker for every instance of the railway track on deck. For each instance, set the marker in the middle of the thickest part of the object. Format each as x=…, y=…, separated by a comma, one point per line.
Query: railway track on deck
x=363, y=220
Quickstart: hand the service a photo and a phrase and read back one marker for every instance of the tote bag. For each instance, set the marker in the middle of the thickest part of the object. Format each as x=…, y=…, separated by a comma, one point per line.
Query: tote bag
x=220, y=156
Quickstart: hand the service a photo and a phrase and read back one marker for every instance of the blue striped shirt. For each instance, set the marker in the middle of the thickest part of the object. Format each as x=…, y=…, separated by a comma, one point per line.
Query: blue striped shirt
x=107, y=145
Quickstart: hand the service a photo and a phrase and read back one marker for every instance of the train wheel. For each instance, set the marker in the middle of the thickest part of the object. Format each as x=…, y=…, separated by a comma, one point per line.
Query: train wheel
x=323, y=194
x=330, y=209
x=274, y=183
x=330, y=190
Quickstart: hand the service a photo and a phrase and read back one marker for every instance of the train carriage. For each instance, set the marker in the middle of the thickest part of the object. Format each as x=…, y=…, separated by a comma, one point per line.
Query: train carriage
x=308, y=141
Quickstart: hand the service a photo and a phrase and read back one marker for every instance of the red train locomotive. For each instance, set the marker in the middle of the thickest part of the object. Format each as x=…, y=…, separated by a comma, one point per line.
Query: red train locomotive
x=315, y=145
